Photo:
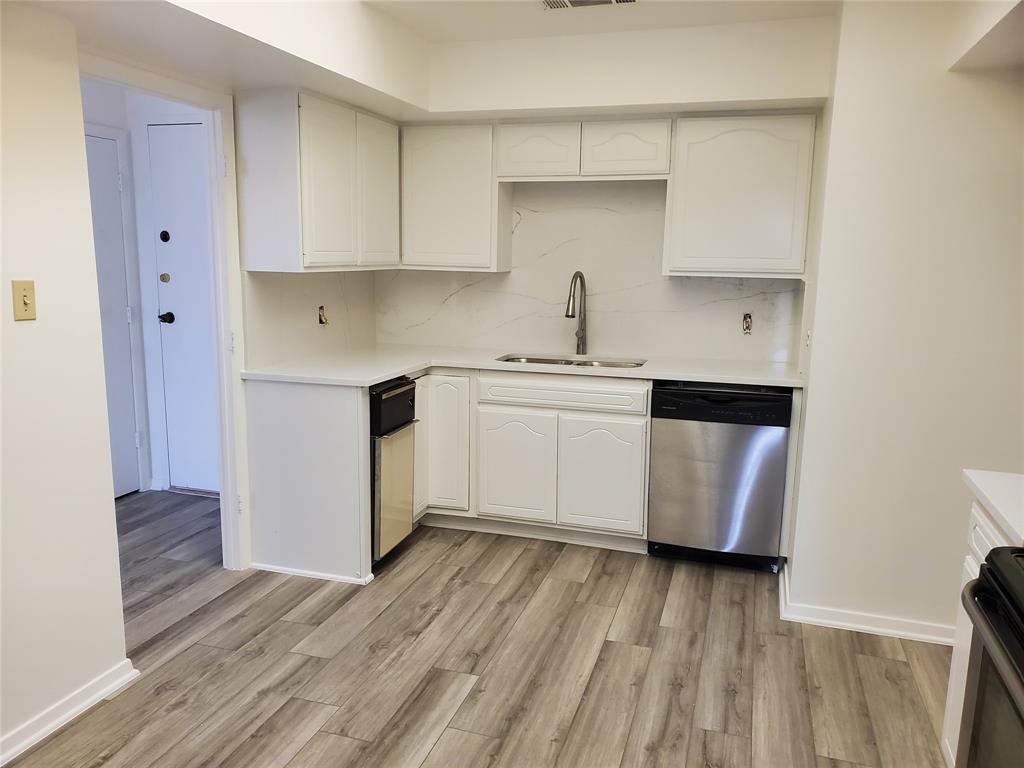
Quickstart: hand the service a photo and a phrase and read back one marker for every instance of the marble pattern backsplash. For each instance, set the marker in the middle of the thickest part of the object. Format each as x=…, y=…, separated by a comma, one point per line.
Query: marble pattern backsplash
x=613, y=232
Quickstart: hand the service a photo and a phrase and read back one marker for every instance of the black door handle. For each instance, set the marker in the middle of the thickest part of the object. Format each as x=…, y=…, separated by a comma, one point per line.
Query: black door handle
x=166, y=317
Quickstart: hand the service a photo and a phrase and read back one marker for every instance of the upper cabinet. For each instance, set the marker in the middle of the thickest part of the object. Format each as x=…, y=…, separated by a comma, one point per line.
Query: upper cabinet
x=738, y=195
x=317, y=184
x=448, y=197
x=633, y=147
x=551, y=149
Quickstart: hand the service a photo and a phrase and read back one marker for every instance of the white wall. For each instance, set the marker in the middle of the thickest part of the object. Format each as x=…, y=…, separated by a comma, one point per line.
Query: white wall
x=281, y=318
x=63, y=634
x=744, y=63
x=612, y=231
x=916, y=370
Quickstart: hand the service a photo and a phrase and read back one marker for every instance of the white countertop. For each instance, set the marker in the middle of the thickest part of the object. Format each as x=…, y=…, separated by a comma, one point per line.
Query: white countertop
x=1002, y=494
x=363, y=368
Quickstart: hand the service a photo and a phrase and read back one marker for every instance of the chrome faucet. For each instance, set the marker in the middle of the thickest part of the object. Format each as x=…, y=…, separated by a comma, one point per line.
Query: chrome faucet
x=570, y=310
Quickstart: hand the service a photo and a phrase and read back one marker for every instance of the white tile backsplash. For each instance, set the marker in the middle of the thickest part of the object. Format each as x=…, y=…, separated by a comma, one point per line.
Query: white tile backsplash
x=613, y=232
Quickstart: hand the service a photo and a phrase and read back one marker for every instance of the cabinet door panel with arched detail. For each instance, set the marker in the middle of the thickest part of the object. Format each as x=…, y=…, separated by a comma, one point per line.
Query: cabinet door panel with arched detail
x=518, y=466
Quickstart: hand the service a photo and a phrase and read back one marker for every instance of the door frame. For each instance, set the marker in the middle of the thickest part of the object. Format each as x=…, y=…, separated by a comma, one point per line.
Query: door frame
x=131, y=268
x=227, y=276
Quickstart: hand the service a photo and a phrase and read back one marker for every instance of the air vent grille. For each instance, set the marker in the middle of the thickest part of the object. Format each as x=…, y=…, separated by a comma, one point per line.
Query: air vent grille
x=553, y=5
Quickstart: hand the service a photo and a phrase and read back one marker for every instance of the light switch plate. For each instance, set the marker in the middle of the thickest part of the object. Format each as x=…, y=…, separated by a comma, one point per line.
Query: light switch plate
x=24, y=295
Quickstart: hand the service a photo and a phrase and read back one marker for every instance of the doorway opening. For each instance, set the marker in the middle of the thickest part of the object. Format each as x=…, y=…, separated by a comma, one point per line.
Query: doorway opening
x=152, y=169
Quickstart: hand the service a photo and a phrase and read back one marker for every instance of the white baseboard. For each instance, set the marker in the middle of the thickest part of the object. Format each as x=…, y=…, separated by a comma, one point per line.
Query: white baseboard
x=437, y=518
x=872, y=623
x=313, y=574
x=46, y=722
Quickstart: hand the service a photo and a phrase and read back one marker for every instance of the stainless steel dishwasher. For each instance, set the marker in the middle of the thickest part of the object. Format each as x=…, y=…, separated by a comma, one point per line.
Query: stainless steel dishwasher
x=718, y=472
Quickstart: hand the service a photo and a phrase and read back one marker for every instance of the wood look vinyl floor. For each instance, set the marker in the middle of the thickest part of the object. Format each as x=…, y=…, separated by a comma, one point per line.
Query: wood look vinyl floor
x=471, y=649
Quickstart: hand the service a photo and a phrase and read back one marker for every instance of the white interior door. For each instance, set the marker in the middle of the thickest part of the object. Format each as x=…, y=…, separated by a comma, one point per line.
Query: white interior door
x=112, y=278
x=179, y=170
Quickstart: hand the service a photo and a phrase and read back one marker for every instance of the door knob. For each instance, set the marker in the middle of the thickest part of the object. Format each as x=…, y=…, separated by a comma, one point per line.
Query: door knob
x=166, y=317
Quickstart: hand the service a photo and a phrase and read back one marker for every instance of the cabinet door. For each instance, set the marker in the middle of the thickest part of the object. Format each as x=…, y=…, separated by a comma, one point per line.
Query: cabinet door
x=955, y=691
x=448, y=447
x=739, y=193
x=551, y=149
x=636, y=146
x=327, y=167
x=446, y=195
x=377, y=152
x=420, y=492
x=518, y=462
x=601, y=462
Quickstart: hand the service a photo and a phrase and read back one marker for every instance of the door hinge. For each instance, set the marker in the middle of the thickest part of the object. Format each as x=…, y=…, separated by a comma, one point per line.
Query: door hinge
x=128, y=313
x=238, y=503
x=231, y=342
x=120, y=182
x=138, y=440
x=224, y=165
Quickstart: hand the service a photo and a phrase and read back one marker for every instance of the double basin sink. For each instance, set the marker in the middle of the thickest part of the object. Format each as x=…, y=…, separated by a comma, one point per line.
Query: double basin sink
x=582, y=361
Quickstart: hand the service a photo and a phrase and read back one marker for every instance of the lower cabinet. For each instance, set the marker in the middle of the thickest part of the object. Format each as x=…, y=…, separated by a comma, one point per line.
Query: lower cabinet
x=518, y=469
x=601, y=462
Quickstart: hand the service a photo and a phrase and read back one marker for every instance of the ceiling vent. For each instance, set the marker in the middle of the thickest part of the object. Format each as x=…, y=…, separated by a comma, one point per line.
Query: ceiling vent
x=552, y=5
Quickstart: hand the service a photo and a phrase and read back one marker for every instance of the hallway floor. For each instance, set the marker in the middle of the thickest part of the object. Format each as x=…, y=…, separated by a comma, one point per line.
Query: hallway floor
x=481, y=650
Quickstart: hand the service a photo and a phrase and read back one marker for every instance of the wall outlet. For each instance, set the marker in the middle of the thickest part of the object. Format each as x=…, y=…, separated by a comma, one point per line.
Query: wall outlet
x=24, y=297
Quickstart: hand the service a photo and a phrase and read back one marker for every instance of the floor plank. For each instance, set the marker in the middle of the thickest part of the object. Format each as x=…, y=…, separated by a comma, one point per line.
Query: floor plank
x=465, y=554
x=725, y=692
x=930, y=664
x=411, y=733
x=839, y=711
x=249, y=622
x=878, y=645
x=766, y=608
x=709, y=749
x=480, y=638
x=538, y=732
x=783, y=736
x=324, y=602
x=660, y=732
x=328, y=750
x=281, y=736
x=643, y=601
x=902, y=728
x=608, y=578
x=355, y=615
x=689, y=597
x=597, y=737
x=496, y=699
x=575, y=563
x=462, y=749
x=494, y=562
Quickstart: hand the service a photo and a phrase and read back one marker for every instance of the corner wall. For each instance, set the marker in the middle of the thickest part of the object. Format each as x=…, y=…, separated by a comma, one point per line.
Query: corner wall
x=62, y=629
x=916, y=371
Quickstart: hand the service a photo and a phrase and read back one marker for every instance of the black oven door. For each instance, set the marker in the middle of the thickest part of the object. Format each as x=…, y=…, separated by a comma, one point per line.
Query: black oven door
x=993, y=732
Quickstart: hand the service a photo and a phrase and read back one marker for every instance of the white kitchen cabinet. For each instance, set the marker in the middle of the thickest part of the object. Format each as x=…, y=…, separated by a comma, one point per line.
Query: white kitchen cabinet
x=738, y=195
x=548, y=149
x=601, y=471
x=518, y=469
x=448, y=441
x=327, y=168
x=447, y=188
x=378, y=190
x=318, y=186
x=630, y=147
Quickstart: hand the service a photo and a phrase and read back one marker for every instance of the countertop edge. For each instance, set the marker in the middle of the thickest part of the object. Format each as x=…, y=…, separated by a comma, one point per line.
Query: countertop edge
x=976, y=480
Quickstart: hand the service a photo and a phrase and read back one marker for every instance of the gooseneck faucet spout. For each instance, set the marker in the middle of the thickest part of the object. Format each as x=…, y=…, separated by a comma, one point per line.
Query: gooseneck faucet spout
x=570, y=310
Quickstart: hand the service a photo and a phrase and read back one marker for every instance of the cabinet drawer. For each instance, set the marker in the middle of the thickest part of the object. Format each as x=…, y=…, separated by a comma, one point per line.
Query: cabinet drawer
x=565, y=392
x=636, y=146
x=552, y=149
x=982, y=535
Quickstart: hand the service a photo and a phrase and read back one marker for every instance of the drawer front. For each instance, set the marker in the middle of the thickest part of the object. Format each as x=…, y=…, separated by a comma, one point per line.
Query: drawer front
x=982, y=535
x=572, y=395
x=539, y=150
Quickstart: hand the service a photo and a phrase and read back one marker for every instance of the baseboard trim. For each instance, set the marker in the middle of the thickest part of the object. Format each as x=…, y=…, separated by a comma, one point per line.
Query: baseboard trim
x=313, y=574
x=435, y=518
x=49, y=720
x=871, y=623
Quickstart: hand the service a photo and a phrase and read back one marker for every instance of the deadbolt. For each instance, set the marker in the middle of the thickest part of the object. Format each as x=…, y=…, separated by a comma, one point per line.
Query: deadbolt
x=165, y=277
x=164, y=236
x=166, y=317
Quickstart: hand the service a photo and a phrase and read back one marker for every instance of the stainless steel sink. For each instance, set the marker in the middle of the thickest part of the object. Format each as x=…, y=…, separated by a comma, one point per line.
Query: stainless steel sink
x=583, y=361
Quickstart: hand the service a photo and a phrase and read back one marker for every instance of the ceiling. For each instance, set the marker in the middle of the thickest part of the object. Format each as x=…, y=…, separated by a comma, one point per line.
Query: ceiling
x=467, y=20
